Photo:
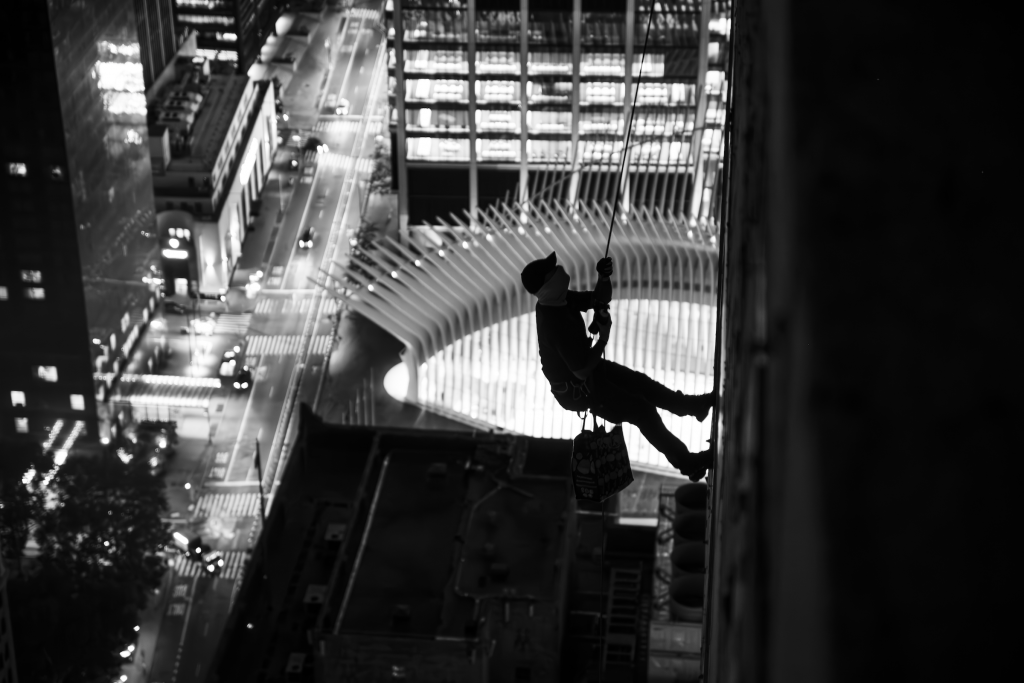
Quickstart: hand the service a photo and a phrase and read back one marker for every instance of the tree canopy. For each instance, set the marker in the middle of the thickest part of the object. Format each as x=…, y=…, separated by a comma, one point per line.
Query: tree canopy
x=99, y=531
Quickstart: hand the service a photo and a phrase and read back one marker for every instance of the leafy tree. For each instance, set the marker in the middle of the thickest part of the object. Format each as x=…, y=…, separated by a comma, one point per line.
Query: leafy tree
x=380, y=178
x=20, y=503
x=106, y=524
x=366, y=241
x=66, y=632
x=99, y=532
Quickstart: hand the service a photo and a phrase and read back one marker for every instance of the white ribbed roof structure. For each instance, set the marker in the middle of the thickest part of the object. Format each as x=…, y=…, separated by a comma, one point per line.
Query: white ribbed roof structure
x=469, y=328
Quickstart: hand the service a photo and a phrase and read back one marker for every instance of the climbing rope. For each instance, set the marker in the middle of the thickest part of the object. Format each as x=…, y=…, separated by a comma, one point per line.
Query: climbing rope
x=604, y=312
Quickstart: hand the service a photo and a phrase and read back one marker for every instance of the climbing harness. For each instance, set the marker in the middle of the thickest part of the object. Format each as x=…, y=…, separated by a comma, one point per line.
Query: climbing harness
x=605, y=442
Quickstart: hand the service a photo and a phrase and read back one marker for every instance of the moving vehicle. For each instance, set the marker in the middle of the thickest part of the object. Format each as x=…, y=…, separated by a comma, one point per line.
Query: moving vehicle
x=213, y=561
x=342, y=108
x=243, y=380
x=307, y=237
x=230, y=360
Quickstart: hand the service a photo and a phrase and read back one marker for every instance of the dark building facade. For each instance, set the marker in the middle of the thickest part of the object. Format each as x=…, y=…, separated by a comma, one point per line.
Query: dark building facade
x=77, y=244
x=229, y=31
x=408, y=554
x=158, y=39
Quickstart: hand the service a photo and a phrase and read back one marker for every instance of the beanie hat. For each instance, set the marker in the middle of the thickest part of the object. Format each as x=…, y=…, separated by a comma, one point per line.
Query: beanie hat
x=534, y=272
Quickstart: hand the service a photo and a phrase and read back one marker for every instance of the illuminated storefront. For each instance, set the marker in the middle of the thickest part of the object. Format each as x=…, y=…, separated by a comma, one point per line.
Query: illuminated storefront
x=492, y=99
x=469, y=326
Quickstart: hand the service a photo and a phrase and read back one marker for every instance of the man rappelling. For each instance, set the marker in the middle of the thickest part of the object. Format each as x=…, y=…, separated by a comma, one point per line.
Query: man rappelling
x=582, y=380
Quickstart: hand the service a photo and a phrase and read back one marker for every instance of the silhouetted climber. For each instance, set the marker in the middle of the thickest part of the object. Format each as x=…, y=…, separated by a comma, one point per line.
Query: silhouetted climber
x=581, y=380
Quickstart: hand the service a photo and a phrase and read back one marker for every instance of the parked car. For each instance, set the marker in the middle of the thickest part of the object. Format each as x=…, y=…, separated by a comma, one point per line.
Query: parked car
x=174, y=307
x=128, y=653
x=243, y=380
x=307, y=237
x=161, y=436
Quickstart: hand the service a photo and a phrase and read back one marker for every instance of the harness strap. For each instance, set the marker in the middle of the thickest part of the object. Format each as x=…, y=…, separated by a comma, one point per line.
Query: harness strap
x=579, y=388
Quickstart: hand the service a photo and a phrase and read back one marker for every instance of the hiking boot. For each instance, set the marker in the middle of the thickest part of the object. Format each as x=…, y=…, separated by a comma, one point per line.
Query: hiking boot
x=692, y=464
x=697, y=407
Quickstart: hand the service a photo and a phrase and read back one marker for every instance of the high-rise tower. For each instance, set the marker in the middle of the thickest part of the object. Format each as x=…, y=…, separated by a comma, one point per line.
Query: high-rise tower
x=77, y=244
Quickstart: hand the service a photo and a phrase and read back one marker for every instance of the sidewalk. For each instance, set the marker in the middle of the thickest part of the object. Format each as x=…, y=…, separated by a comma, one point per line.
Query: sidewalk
x=149, y=621
x=260, y=240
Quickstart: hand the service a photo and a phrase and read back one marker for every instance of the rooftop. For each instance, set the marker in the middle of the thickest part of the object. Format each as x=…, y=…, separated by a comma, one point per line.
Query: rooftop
x=392, y=516
x=215, y=115
x=221, y=97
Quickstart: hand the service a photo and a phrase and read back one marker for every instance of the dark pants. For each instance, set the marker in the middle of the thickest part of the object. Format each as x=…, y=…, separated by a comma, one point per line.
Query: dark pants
x=618, y=394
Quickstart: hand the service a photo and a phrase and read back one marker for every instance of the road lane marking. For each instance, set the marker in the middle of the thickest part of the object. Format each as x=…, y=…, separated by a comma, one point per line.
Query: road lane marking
x=241, y=427
x=188, y=612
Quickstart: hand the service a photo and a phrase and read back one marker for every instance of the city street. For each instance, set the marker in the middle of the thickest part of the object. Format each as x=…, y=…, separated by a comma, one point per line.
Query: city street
x=216, y=453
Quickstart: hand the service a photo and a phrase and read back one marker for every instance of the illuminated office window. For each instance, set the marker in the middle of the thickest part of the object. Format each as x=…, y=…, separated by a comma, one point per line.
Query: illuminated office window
x=56, y=173
x=33, y=276
x=601, y=93
x=17, y=168
x=548, y=150
x=498, y=150
x=603, y=64
x=226, y=37
x=503, y=121
x=549, y=121
x=17, y=399
x=4, y=296
x=497, y=27
x=47, y=373
x=21, y=425
x=497, y=62
x=451, y=61
x=36, y=293
x=499, y=91
x=545, y=92
x=77, y=402
x=439, y=149
x=205, y=19
x=549, y=63
x=654, y=65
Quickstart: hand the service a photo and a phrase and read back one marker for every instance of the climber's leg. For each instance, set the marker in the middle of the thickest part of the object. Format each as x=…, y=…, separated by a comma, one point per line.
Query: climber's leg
x=657, y=393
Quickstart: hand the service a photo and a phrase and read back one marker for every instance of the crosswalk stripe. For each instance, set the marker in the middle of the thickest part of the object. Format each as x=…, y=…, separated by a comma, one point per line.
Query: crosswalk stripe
x=229, y=505
x=336, y=126
x=233, y=323
x=364, y=13
x=234, y=565
x=284, y=344
x=267, y=306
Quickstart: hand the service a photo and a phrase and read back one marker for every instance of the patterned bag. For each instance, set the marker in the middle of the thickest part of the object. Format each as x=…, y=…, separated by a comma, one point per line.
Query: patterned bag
x=600, y=463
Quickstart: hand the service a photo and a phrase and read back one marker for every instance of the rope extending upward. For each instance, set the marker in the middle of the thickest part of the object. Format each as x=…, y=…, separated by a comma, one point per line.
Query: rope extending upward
x=629, y=129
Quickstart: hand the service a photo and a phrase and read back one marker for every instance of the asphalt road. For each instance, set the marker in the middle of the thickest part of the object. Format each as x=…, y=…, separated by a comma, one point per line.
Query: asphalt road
x=223, y=506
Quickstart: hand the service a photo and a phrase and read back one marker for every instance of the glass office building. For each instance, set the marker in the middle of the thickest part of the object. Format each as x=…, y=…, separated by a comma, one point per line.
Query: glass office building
x=78, y=249
x=230, y=32
x=497, y=100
